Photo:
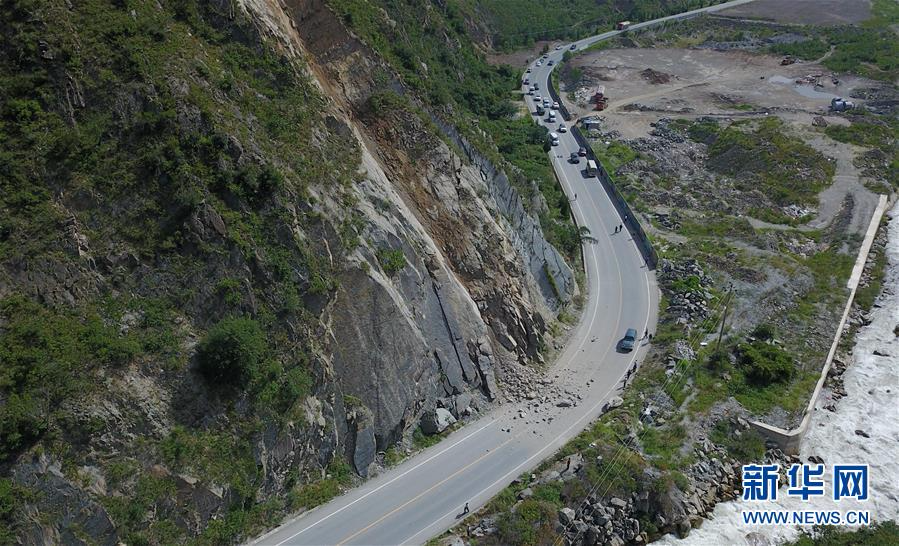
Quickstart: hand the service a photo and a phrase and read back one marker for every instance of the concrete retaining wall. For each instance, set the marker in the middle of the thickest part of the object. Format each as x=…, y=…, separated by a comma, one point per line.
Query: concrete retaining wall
x=788, y=440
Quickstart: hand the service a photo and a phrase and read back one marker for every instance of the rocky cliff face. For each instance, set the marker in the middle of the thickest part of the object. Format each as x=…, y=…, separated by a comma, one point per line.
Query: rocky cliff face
x=392, y=267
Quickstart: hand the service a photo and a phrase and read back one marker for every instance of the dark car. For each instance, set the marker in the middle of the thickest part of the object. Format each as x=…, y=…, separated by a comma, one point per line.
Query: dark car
x=536, y=85
x=573, y=47
x=627, y=343
x=582, y=152
x=550, y=63
x=575, y=158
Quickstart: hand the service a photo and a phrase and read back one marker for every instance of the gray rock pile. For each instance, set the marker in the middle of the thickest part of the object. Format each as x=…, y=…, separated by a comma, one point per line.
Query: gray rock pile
x=690, y=286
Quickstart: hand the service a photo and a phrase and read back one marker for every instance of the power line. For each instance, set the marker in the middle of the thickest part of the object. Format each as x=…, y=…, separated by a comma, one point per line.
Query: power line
x=611, y=470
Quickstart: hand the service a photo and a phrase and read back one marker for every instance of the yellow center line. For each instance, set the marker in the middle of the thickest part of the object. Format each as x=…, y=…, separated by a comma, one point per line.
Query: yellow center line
x=425, y=492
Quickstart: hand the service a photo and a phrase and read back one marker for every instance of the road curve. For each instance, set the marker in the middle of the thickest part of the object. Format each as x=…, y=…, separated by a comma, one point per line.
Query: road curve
x=425, y=495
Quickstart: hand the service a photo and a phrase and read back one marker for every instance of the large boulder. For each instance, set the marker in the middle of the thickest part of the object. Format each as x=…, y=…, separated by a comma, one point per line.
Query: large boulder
x=436, y=421
x=566, y=516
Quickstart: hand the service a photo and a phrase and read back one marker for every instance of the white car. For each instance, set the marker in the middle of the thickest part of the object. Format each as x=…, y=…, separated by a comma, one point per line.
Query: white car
x=546, y=103
x=538, y=99
x=558, y=47
x=556, y=105
x=562, y=128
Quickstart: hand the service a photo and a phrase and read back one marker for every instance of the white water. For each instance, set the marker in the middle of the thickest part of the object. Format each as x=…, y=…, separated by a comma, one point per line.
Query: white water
x=871, y=405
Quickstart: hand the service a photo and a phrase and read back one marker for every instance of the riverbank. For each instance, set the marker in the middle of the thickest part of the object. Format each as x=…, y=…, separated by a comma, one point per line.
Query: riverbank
x=862, y=428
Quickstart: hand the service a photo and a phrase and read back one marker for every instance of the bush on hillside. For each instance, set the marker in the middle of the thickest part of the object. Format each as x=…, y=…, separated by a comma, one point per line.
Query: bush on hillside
x=764, y=363
x=232, y=351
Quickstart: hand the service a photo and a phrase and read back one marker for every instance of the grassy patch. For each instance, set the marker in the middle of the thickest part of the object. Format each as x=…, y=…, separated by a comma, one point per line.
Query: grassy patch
x=743, y=445
x=613, y=155
x=763, y=157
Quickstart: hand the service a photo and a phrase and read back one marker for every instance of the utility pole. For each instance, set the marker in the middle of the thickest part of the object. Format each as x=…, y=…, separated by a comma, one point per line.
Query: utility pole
x=730, y=292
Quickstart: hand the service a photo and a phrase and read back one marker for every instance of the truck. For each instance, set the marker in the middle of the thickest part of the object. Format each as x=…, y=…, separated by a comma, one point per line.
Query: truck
x=591, y=168
x=623, y=25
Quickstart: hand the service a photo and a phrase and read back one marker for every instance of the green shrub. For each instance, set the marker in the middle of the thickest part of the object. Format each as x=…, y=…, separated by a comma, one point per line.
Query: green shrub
x=879, y=534
x=764, y=332
x=46, y=357
x=232, y=351
x=765, y=363
x=748, y=447
x=8, y=506
x=391, y=260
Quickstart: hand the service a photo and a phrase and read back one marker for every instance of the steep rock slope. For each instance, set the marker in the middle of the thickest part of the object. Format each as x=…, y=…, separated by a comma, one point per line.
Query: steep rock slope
x=237, y=257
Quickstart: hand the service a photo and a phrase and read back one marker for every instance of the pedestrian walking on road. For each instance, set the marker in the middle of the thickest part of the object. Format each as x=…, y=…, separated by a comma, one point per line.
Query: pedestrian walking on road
x=650, y=336
x=465, y=511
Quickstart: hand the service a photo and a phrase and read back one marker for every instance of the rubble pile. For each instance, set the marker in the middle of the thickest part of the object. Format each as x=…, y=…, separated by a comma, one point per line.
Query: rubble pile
x=690, y=286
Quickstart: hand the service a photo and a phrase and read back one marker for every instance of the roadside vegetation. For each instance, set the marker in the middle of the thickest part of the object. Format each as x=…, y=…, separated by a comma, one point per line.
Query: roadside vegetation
x=878, y=534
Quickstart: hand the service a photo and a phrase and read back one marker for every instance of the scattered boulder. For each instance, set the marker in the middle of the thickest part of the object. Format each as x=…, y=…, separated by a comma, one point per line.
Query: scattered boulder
x=436, y=421
x=566, y=516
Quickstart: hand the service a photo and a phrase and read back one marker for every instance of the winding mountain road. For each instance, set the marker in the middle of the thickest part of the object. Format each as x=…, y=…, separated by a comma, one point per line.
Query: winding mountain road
x=426, y=494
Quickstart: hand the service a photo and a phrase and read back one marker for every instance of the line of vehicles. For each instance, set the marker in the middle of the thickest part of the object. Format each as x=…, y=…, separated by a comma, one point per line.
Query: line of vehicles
x=543, y=106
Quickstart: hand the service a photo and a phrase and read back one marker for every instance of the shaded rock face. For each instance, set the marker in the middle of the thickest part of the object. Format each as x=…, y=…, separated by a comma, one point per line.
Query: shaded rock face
x=73, y=507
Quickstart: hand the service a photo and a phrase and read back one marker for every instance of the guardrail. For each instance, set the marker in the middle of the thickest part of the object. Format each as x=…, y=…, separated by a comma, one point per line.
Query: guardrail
x=555, y=96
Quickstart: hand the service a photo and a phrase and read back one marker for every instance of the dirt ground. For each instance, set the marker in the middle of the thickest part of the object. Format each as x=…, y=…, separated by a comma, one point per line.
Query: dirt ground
x=642, y=84
x=810, y=12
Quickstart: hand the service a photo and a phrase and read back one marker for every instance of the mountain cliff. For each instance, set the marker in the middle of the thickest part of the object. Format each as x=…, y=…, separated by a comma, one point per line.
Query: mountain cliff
x=242, y=251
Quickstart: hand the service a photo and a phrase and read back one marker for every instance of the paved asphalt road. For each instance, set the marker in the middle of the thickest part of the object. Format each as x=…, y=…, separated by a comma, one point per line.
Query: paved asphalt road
x=425, y=495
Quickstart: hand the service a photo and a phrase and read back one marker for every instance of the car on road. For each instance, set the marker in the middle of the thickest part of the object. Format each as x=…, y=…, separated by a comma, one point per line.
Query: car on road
x=538, y=98
x=555, y=105
x=527, y=81
x=558, y=47
x=582, y=152
x=552, y=117
x=573, y=47
x=550, y=63
x=627, y=343
x=562, y=128
x=546, y=102
x=528, y=71
x=574, y=158
x=536, y=85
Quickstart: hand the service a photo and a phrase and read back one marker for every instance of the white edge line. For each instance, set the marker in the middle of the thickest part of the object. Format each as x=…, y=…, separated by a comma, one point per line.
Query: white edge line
x=385, y=484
